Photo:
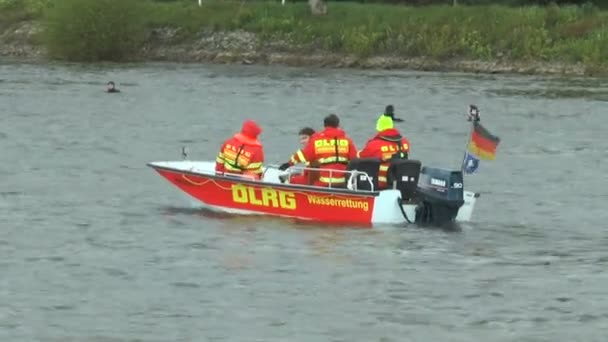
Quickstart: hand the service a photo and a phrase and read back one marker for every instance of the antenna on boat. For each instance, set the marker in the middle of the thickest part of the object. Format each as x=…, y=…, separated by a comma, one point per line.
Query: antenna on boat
x=184, y=152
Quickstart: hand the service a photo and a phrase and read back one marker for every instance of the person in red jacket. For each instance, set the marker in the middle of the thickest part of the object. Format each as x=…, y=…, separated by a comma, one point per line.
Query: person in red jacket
x=242, y=154
x=330, y=149
x=384, y=146
x=307, y=177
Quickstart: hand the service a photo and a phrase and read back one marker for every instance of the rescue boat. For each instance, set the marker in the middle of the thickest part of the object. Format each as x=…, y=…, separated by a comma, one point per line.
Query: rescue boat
x=418, y=194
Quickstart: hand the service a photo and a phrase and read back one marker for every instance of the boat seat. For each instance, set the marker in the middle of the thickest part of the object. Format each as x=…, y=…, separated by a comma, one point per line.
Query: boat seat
x=403, y=175
x=371, y=166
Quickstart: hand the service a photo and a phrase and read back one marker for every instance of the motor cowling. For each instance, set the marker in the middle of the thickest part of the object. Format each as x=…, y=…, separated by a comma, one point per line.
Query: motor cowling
x=440, y=193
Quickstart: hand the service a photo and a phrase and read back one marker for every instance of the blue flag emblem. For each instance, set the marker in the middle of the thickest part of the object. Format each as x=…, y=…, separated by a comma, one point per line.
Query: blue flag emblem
x=470, y=163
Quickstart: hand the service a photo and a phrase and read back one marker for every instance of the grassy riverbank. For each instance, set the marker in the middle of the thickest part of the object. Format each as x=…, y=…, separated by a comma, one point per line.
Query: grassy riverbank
x=350, y=34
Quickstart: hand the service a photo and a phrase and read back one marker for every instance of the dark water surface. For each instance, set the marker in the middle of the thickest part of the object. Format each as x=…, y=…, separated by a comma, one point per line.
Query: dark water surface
x=95, y=246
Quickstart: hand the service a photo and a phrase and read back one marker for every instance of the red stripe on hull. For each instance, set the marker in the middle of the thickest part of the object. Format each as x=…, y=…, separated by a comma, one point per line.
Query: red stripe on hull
x=265, y=198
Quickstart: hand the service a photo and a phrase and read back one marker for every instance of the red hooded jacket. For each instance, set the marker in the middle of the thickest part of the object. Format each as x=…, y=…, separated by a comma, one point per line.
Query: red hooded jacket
x=383, y=146
x=329, y=149
x=242, y=154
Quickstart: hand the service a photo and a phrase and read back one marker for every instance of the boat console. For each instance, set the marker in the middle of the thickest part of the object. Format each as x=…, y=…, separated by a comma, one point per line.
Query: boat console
x=368, y=177
x=403, y=175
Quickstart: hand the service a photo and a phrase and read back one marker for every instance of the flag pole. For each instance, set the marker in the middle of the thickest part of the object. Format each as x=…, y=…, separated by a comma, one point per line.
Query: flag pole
x=466, y=149
x=473, y=117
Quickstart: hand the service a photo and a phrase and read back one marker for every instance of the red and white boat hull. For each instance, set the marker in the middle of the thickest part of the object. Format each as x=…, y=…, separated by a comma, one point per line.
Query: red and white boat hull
x=271, y=197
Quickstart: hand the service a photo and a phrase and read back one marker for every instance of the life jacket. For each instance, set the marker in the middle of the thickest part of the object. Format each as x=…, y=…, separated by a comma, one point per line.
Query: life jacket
x=330, y=149
x=387, y=145
x=242, y=154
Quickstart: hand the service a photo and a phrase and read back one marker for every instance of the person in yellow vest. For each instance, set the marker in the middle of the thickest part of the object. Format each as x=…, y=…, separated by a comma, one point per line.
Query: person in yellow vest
x=385, y=145
x=308, y=177
x=243, y=153
x=331, y=149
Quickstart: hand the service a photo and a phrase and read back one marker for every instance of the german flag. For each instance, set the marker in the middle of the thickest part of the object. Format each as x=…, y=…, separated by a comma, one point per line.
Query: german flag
x=483, y=143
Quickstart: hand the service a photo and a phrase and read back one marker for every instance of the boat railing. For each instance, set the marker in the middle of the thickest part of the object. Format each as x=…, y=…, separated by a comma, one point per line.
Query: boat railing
x=350, y=175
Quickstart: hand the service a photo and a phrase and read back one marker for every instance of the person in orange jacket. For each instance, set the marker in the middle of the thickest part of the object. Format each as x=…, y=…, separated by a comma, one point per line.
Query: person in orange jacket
x=307, y=177
x=330, y=149
x=242, y=154
x=384, y=146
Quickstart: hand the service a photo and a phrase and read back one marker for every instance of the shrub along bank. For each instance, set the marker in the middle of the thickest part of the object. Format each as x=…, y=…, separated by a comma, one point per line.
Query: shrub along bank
x=116, y=30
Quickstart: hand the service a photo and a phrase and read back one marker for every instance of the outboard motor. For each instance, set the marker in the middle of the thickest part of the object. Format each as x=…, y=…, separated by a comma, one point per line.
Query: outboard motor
x=441, y=194
x=371, y=166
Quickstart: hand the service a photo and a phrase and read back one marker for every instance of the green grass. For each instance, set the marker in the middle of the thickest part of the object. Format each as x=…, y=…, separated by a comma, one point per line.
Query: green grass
x=566, y=34
x=89, y=30
x=569, y=34
x=15, y=11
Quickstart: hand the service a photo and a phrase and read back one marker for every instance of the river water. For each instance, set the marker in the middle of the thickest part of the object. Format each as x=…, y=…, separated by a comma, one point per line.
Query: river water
x=95, y=246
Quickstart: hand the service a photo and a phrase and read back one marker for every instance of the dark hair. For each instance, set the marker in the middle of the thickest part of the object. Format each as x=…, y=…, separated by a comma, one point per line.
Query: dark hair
x=306, y=131
x=331, y=120
x=389, y=110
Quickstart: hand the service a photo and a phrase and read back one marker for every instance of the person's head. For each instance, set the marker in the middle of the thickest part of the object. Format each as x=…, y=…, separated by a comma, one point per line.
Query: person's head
x=251, y=129
x=390, y=112
x=331, y=120
x=304, y=135
x=384, y=122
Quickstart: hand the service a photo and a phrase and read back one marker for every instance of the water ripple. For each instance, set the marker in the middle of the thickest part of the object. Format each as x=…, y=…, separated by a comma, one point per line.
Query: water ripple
x=96, y=244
